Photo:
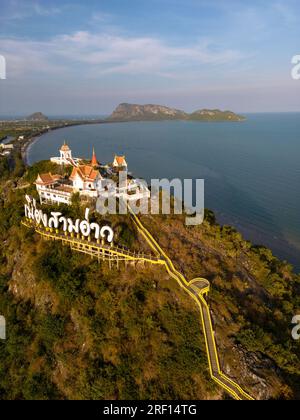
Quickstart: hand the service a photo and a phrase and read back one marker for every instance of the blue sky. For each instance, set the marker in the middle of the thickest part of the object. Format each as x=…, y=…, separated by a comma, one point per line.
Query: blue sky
x=74, y=57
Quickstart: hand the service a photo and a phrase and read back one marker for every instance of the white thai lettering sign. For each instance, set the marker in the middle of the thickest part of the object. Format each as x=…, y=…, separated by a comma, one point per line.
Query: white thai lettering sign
x=2, y=328
x=57, y=220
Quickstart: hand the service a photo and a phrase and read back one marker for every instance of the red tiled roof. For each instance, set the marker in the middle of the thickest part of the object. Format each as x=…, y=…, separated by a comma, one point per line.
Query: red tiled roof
x=86, y=173
x=47, y=178
x=120, y=160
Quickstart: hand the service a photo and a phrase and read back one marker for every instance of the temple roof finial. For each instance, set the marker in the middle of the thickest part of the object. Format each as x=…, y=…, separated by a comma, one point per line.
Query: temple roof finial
x=94, y=158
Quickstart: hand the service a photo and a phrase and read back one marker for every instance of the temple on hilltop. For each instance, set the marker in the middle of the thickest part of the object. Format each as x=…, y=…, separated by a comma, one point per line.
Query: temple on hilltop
x=65, y=157
x=87, y=180
x=120, y=163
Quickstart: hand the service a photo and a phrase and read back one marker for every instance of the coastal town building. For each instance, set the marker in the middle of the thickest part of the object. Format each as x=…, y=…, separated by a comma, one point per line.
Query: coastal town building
x=6, y=146
x=5, y=153
x=6, y=149
x=88, y=181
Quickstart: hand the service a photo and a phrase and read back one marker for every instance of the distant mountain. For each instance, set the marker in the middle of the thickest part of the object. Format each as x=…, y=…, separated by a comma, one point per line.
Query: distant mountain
x=134, y=112
x=215, y=115
x=37, y=116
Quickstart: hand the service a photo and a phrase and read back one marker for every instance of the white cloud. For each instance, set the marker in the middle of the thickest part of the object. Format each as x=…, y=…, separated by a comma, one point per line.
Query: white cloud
x=98, y=54
x=18, y=9
x=101, y=17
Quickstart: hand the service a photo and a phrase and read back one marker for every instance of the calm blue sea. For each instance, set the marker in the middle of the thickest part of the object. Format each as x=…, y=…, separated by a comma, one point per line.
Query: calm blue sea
x=251, y=169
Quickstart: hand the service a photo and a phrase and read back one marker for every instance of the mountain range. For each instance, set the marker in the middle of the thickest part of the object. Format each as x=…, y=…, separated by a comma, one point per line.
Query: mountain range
x=135, y=112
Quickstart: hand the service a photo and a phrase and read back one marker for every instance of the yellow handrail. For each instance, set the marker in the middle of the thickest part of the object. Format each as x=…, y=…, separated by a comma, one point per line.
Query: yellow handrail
x=219, y=377
x=161, y=258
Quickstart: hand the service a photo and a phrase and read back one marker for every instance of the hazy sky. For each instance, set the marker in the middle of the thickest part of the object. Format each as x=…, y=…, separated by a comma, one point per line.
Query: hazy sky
x=84, y=57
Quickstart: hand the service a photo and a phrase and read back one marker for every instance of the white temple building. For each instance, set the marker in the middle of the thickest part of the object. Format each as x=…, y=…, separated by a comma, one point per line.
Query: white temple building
x=87, y=180
x=52, y=190
x=65, y=157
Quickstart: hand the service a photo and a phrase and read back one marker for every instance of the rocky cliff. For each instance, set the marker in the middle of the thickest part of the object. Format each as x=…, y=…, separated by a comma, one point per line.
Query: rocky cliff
x=134, y=112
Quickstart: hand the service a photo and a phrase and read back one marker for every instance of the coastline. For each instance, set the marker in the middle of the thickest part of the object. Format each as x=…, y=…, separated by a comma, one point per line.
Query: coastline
x=25, y=148
x=30, y=141
x=280, y=248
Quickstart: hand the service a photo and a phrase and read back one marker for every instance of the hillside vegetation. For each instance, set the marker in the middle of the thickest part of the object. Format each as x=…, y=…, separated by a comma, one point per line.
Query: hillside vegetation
x=134, y=112
x=79, y=330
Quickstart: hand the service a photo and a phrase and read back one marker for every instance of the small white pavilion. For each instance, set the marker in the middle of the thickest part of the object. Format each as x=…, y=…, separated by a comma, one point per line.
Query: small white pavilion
x=65, y=157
